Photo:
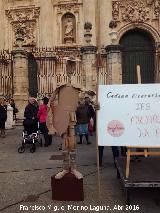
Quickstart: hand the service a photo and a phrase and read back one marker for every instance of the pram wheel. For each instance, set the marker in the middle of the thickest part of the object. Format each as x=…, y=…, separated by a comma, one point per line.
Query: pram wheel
x=32, y=149
x=21, y=149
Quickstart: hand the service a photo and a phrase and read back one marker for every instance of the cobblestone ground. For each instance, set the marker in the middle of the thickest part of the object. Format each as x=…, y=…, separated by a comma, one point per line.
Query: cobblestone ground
x=25, y=181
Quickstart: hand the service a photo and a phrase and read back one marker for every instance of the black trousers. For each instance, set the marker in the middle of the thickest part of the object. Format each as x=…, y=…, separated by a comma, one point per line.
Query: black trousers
x=44, y=130
x=2, y=124
x=115, y=152
x=100, y=149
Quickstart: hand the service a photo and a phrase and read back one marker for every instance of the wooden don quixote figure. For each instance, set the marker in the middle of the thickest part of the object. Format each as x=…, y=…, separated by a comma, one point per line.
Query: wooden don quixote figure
x=64, y=121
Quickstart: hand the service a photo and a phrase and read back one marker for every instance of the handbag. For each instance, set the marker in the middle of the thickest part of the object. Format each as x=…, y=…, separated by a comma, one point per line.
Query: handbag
x=15, y=110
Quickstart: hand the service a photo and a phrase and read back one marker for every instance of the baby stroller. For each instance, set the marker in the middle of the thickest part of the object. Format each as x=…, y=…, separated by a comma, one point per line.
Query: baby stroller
x=31, y=135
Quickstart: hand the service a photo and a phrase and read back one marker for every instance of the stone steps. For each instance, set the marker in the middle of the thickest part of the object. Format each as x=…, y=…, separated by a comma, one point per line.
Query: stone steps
x=19, y=122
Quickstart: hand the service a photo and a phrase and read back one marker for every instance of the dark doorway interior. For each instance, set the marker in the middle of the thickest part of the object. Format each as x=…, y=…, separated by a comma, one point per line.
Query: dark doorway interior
x=137, y=49
x=32, y=76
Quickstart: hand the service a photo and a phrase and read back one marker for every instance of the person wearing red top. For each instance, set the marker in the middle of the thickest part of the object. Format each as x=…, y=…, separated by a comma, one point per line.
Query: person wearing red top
x=42, y=115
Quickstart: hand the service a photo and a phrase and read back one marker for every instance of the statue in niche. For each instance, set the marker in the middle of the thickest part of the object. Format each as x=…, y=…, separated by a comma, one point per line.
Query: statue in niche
x=68, y=29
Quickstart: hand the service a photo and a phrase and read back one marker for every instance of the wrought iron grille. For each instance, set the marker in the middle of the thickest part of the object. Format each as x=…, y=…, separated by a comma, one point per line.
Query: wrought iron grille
x=103, y=73
x=6, y=74
x=51, y=68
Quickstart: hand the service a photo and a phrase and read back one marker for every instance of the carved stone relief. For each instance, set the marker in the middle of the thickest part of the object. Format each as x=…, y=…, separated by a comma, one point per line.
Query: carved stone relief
x=157, y=8
x=135, y=11
x=24, y=19
x=67, y=6
x=115, y=10
x=29, y=33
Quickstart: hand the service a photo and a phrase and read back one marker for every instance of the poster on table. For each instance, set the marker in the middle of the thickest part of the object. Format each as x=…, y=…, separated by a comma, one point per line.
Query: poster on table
x=129, y=115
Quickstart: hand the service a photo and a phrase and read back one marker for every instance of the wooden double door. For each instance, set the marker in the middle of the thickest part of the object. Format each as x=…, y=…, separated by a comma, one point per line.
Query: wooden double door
x=138, y=48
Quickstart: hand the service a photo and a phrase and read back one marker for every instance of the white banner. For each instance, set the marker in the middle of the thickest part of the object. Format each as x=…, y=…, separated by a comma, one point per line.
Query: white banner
x=129, y=115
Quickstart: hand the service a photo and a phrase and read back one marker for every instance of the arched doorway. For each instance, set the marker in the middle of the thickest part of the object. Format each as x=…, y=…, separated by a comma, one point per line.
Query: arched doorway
x=138, y=48
x=32, y=76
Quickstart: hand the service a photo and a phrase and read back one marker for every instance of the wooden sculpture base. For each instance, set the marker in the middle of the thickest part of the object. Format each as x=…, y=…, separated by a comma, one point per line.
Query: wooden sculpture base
x=69, y=188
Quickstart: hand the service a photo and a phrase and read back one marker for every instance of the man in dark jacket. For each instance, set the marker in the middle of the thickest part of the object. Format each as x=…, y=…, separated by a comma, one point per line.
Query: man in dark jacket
x=83, y=117
x=30, y=114
x=3, y=116
x=90, y=107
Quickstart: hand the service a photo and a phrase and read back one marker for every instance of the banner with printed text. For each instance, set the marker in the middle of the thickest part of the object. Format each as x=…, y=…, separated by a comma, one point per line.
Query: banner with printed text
x=129, y=115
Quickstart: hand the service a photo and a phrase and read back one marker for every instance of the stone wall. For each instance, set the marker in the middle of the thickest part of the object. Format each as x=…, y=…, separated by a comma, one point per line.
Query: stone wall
x=48, y=23
x=46, y=28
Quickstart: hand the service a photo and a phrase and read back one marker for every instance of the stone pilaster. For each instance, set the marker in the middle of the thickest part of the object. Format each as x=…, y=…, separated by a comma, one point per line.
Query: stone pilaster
x=20, y=79
x=114, y=64
x=157, y=64
x=89, y=66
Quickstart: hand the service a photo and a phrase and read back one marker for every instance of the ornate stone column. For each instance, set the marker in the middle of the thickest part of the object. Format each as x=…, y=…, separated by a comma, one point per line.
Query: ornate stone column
x=157, y=63
x=20, y=79
x=114, y=66
x=89, y=66
x=89, y=60
x=114, y=60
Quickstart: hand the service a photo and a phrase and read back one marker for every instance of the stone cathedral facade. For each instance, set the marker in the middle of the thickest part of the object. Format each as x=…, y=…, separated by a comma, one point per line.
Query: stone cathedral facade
x=103, y=41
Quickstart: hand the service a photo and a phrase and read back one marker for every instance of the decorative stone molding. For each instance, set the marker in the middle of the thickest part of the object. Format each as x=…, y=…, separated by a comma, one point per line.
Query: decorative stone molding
x=20, y=52
x=89, y=49
x=144, y=26
x=24, y=18
x=113, y=48
x=157, y=8
x=137, y=11
x=115, y=10
x=64, y=6
x=22, y=14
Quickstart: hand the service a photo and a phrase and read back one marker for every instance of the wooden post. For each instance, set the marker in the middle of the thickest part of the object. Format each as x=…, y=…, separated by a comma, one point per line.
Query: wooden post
x=139, y=82
x=128, y=162
x=129, y=153
x=97, y=150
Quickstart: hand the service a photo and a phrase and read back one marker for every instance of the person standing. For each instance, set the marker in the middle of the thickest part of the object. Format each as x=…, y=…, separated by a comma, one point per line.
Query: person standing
x=42, y=115
x=115, y=150
x=15, y=110
x=83, y=117
x=91, y=113
x=30, y=114
x=3, y=116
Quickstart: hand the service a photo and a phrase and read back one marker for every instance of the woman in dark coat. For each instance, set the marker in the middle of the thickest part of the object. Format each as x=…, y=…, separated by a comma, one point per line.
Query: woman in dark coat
x=15, y=110
x=3, y=116
x=30, y=114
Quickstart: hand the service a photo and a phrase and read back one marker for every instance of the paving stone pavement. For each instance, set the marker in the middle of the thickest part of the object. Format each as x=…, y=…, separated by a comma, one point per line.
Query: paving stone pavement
x=25, y=181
